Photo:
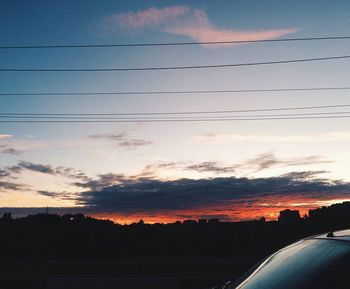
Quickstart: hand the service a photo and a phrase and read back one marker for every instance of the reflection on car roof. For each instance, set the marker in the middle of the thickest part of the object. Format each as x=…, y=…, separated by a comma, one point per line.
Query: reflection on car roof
x=343, y=235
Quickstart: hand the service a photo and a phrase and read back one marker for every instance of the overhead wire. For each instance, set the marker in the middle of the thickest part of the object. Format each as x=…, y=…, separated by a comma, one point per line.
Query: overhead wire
x=177, y=91
x=175, y=120
x=289, y=108
x=105, y=45
x=172, y=118
x=185, y=67
x=102, y=117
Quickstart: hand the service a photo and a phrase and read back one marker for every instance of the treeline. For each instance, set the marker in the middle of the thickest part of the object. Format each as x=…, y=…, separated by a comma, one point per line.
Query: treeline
x=77, y=236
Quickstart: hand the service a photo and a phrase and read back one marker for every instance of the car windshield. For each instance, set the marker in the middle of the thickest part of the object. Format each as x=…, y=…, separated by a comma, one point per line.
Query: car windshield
x=308, y=264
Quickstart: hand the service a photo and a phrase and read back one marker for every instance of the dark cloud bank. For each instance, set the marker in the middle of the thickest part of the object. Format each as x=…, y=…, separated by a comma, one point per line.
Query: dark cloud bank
x=120, y=194
x=134, y=195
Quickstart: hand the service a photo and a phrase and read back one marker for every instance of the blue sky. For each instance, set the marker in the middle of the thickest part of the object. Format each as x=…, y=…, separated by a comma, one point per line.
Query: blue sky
x=168, y=151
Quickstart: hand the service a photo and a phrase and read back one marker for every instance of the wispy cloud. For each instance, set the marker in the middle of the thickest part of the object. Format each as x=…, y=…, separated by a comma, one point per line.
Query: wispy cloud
x=304, y=175
x=12, y=186
x=210, y=166
x=14, y=170
x=112, y=136
x=12, y=151
x=186, y=21
x=4, y=173
x=152, y=17
x=6, y=183
x=7, y=147
x=268, y=160
x=101, y=181
x=256, y=164
x=58, y=195
x=5, y=136
x=25, y=178
x=39, y=168
x=134, y=143
x=230, y=138
x=123, y=140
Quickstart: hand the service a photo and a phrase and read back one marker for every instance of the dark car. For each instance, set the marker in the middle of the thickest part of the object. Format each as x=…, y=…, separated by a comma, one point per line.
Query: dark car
x=321, y=262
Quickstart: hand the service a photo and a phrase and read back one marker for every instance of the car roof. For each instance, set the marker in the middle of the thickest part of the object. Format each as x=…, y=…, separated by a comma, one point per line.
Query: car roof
x=343, y=235
x=339, y=241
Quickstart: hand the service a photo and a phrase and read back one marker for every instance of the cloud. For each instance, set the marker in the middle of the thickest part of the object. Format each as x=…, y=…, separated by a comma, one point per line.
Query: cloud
x=167, y=165
x=186, y=21
x=200, y=29
x=268, y=160
x=151, y=17
x=5, y=136
x=123, y=140
x=101, y=181
x=12, y=186
x=49, y=194
x=145, y=196
x=12, y=151
x=57, y=195
x=149, y=195
x=113, y=137
x=45, y=169
x=304, y=175
x=6, y=148
x=134, y=143
x=258, y=163
x=71, y=173
x=10, y=171
x=14, y=170
x=48, y=169
x=4, y=173
x=231, y=138
x=214, y=167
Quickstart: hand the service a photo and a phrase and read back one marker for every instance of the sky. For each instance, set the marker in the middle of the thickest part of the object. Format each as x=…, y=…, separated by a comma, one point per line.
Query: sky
x=168, y=171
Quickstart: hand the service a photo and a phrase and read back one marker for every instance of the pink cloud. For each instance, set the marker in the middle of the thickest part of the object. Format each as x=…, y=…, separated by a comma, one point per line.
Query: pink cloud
x=208, y=34
x=151, y=17
x=3, y=136
x=200, y=29
x=193, y=23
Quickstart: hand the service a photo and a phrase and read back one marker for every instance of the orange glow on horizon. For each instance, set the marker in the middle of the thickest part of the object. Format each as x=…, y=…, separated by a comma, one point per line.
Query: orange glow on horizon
x=238, y=210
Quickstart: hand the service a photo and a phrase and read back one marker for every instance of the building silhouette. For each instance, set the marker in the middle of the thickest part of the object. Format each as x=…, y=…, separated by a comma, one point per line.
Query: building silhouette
x=289, y=216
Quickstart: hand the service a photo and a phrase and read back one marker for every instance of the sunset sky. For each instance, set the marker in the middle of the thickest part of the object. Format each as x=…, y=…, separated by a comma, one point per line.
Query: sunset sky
x=168, y=171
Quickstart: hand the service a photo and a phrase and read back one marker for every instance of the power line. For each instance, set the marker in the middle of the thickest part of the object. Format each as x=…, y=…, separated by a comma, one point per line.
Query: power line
x=124, y=69
x=172, y=43
x=174, y=120
x=179, y=113
x=178, y=117
x=177, y=91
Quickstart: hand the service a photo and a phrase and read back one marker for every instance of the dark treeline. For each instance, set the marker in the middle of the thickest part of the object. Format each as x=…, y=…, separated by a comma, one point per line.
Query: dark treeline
x=77, y=236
